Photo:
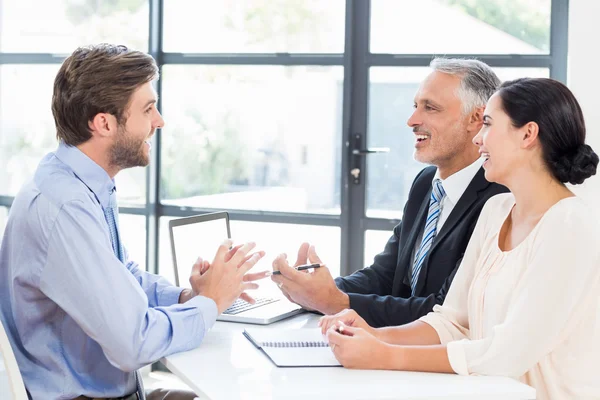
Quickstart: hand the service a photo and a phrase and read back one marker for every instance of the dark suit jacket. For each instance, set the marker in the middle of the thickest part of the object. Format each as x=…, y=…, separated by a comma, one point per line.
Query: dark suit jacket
x=379, y=293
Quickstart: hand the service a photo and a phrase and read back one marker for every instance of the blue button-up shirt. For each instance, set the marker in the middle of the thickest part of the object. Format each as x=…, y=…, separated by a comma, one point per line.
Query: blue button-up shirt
x=79, y=320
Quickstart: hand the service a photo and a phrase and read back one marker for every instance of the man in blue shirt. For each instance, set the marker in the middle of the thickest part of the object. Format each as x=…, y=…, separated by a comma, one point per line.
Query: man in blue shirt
x=81, y=317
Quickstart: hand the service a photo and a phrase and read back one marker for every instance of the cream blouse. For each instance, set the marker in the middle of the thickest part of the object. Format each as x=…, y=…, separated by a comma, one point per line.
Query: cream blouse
x=532, y=313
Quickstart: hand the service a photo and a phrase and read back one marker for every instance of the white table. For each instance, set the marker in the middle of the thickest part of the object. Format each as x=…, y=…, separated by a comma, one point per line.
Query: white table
x=228, y=367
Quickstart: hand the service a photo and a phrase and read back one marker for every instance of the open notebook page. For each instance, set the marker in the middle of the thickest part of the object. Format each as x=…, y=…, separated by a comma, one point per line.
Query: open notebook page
x=293, y=347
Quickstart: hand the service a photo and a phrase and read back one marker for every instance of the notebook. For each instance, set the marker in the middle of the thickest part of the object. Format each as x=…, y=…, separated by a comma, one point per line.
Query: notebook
x=293, y=347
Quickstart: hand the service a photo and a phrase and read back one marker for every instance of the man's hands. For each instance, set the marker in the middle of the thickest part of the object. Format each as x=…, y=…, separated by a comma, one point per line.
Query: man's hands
x=225, y=279
x=312, y=290
x=200, y=266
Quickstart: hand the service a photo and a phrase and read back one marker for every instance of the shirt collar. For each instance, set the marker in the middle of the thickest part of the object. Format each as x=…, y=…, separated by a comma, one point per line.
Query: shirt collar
x=87, y=171
x=456, y=184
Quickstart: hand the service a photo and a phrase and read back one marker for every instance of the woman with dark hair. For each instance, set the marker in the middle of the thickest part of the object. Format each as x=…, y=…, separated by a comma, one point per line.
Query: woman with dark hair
x=525, y=302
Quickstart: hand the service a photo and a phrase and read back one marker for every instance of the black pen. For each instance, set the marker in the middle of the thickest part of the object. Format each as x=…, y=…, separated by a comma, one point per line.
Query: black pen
x=301, y=268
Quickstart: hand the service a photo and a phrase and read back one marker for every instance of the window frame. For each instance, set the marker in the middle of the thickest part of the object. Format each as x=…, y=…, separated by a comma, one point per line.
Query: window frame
x=356, y=62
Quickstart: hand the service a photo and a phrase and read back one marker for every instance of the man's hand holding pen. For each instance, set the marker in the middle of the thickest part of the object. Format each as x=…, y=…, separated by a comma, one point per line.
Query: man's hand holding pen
x=314, y=290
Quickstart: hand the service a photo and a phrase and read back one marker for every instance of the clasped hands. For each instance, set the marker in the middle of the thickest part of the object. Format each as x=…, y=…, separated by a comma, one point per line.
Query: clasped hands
x=225, y=279
x=352, y=340
x=354, y=343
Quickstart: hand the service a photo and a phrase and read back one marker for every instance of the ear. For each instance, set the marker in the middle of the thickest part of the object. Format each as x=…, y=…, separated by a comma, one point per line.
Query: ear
x=476, y=120
x=529, y=135
x=103, y=125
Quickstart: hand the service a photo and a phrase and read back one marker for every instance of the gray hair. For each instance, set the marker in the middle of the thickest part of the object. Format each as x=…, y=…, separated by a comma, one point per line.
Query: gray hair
x=478, y=81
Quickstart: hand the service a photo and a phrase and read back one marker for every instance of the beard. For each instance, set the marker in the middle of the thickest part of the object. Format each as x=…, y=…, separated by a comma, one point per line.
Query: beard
x=443, y=147
x=128, y=151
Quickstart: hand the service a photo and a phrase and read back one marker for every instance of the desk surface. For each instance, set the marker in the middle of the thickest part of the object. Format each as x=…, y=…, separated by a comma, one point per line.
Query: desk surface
x=227, y=366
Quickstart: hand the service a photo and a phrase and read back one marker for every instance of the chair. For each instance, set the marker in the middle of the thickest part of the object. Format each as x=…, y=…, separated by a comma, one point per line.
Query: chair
x=11, y=383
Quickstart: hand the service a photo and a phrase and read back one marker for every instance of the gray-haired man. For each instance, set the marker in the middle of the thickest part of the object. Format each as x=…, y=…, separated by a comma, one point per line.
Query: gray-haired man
x=416, y=268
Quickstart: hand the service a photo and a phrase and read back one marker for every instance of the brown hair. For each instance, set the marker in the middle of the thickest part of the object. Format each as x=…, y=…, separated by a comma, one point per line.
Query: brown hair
x=97, y=79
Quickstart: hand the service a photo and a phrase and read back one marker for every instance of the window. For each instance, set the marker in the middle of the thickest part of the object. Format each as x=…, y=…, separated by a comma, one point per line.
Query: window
x=460, y=26
x=391, y=94
x=3, y=218
x=28, y=133
x=273, y=238
x=254, y=26
x=59, y=26
x=252, y=137
x=262, y=101
x=27, y=130
x=133, y=234
x=375, y=243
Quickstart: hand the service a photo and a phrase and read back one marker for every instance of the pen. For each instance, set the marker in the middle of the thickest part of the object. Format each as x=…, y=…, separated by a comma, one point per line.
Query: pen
x=301, y=268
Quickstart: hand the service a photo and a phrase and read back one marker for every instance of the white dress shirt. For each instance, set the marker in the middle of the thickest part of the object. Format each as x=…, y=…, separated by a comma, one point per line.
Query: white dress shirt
x=454, y=186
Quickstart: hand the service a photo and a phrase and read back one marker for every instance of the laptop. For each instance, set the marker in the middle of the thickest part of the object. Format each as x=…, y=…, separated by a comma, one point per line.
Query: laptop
x=201, y=236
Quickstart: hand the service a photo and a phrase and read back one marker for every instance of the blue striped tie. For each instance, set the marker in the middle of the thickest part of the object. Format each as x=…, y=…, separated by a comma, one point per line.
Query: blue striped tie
x=111, y=213
x=435, y=203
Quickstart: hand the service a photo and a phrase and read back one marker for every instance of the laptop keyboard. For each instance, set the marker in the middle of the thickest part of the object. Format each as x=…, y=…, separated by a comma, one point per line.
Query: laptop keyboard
x=241, y=305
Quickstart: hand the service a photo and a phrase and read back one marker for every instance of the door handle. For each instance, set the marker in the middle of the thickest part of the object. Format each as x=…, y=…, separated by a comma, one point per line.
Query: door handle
x=370, y=150
x=358, y=152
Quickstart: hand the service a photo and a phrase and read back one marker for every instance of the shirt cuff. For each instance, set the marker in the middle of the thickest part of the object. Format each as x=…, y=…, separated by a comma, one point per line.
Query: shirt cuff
x=169, y=296
x=457, y=356
x=208, y=310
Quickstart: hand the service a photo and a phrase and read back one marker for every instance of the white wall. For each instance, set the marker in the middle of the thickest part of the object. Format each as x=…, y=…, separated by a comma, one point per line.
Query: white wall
x=584, y=79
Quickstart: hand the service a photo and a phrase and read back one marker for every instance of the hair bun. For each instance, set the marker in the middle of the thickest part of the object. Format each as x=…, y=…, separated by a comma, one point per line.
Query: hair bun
x=576, y=166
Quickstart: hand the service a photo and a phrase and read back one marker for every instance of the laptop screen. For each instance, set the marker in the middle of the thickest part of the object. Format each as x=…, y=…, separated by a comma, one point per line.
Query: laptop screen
x=195, y=237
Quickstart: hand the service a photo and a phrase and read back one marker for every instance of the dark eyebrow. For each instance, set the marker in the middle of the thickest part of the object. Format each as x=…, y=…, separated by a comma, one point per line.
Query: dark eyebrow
x=153, y=101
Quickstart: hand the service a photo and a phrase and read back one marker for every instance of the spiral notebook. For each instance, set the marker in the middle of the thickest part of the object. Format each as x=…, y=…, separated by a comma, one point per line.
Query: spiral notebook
x=293, y=347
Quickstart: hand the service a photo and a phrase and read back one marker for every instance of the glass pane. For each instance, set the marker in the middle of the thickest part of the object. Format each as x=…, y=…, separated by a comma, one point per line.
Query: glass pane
x=460, y=26
x=3, y=218
x=391, y=94
x=27, y=131
x=165, y=257
x=276, y=238
x=60, y=26
x=507, y=74
x=273, y=238
x=374, y=244
x=254, y=26
x=133, y=230
x=131, y=184
x=258, y=138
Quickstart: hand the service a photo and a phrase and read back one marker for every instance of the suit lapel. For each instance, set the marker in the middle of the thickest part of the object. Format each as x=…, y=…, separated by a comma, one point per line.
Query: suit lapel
x=405, y=258
x=465, y=202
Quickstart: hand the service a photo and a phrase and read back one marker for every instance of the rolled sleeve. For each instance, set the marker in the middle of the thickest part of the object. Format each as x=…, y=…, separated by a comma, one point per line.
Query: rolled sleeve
x=445, y=324
x=208, y=310
x=437, y=323
x=160, y=292
x=117, y=312
x=538, y=321
x=169, y=295
x=458, y=357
